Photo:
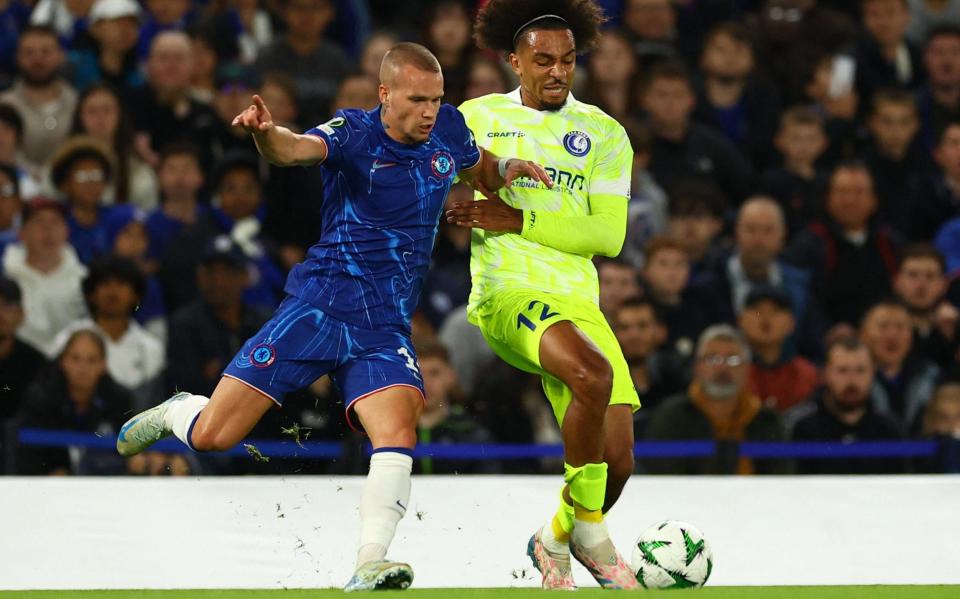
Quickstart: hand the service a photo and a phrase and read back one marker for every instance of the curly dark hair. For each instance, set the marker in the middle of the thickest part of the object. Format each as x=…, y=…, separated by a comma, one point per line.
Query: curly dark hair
x=499, y=22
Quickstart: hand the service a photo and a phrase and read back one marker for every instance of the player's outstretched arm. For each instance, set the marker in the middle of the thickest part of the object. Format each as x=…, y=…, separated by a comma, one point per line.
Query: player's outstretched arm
x=279, y=145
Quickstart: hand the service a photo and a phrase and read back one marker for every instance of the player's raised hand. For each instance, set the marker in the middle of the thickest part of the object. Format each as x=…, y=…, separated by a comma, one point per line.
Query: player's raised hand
x=517, y=169
x=492, y=214
x=256, y=118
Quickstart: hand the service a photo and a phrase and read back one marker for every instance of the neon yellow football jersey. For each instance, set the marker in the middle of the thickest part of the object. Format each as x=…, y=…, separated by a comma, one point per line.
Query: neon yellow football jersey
x=586, y=153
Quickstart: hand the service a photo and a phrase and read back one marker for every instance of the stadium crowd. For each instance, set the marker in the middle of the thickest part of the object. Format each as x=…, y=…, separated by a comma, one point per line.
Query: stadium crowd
x=789, y=268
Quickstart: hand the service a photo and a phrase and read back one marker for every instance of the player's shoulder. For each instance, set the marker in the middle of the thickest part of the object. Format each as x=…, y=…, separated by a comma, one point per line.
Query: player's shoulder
x=354, y=119
x=487, y=102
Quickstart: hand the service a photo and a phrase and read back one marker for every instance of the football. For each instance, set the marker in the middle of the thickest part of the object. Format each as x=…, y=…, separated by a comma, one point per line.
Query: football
x=672, y=555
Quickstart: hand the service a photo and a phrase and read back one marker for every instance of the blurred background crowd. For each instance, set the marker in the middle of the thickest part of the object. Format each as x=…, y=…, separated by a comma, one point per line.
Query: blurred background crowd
x=789, y=268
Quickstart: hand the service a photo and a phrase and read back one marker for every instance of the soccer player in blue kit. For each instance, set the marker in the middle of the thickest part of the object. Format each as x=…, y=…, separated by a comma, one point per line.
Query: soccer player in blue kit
x=387, y=173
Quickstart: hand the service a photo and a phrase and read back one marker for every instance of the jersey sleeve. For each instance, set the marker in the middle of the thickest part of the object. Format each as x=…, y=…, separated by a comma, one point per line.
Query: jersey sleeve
x=611, y=173
x=336, y=134
x=462, y=140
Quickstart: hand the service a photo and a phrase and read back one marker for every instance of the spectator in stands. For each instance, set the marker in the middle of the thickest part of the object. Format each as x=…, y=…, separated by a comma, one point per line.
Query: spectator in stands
x=101, y=115
x=790, y=35
x=207, y=333
x=470, y=354
x=128, y=238
x=684, y=150
x=373, y=50
x=927, y=15
x=842, y=411
x=897, y=165
x=77, y=395
x=280, y=95
x=798, y=184
x=851, y=257
x=11, y=136
x=696, y=219
x=112, y=58
x=732, y=97
x=618, y=281
x=447, y=35
x=113, y=289
x=904, y=381
x=760, y=233
x=11, y=206
x=921, y=284
x=657, y=372
x=938, y=201
x=938, y=100
x=175, y=223
x=779, y=377
x=717, y=406
x=44, y=100
x=235, y=84
x=652, y=26
x=647, y=210
x=14, y=15
x=445, y=420
x=885, y=58
x=19, y=363
x=316, y=66
x=163, y=110
x=67, y=18
x=356, y=91
x=486, y=77
x=837, y=103
x=238, y=213
x=685, y=308
x=941, y=421
x=447, y=284
x=48, y=272
x=611, y=74
x=253, y=27
x=161, y=16
x=81, y=171
x=203, y=67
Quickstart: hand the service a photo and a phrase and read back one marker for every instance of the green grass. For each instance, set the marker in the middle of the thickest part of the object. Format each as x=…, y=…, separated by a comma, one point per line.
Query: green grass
x=842, y=592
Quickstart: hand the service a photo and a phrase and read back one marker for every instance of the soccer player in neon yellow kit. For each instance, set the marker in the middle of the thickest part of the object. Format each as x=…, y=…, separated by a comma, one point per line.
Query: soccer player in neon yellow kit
x=535, y=290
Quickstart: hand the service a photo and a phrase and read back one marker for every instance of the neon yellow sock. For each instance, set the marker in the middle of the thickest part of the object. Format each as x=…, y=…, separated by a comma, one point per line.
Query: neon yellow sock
x=588, y=487
x=562, y=522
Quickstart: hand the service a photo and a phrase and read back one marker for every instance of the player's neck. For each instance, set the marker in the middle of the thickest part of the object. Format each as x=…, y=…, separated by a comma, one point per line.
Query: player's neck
x=390, y=128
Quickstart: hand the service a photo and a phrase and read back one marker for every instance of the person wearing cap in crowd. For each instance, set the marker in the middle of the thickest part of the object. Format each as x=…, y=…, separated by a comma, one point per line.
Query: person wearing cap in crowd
x=48, y=272
x=19, y=363
x=81, y=171
x=10, y=205
x=207, y=333
x=135, y=359
x=113, y=26
x=779, y=378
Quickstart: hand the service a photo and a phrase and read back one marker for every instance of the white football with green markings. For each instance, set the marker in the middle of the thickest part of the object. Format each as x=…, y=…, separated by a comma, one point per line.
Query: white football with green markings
x=672, y=555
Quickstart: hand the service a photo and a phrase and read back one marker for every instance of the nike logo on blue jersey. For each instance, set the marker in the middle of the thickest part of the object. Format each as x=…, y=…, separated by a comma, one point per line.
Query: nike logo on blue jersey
x=377, y=165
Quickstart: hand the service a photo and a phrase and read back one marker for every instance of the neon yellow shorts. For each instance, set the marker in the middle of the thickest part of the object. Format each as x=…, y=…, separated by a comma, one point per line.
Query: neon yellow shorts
x=513, y=322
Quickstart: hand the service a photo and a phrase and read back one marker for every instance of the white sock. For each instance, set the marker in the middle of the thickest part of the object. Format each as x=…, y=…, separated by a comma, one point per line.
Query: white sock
x=550, y=542
x=590, y=534
x=385, y=498
x=182, y=414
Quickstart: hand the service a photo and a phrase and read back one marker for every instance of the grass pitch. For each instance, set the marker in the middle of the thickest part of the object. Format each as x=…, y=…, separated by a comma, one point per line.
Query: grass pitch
x=838, y=592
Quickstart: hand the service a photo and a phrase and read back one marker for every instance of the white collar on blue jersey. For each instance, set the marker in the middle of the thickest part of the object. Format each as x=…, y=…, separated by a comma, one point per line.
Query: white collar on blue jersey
x=515, y=96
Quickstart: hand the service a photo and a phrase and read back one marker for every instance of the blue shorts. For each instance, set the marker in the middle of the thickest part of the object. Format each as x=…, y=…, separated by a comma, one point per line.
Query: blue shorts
x=301, y=343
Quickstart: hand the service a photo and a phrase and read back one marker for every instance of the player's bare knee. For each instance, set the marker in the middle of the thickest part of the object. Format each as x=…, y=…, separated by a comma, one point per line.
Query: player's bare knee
x=405, y=436
x=592, y=380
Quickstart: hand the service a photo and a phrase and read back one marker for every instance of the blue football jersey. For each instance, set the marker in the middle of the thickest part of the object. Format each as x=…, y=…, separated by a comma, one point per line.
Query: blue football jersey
x=381, y=208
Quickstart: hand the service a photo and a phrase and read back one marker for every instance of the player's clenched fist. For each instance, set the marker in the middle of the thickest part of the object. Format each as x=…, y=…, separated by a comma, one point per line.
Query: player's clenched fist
x=256, y=118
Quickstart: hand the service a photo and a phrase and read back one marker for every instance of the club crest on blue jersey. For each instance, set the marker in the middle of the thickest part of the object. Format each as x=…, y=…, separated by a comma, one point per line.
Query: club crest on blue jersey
x=442, y=164
x=263, y=355
x=577, y=143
